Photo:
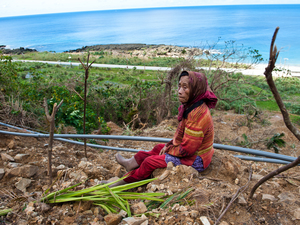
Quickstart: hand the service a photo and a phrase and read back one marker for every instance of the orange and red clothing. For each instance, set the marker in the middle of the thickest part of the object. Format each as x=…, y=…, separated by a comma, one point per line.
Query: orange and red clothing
x=194, y=137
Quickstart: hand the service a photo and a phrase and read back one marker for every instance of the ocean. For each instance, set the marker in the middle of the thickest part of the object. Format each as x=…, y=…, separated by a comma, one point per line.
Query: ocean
x=201, y=26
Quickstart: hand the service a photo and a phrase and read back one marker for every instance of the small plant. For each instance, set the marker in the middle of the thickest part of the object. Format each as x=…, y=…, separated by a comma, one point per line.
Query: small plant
x=275, y=142
x=246, y=142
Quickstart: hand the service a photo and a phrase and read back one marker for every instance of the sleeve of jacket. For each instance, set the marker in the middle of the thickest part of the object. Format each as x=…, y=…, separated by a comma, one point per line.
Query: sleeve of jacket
x=191, y=141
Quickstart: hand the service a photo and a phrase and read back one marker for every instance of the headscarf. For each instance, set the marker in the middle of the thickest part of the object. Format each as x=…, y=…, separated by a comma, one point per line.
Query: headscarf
x=199, y=90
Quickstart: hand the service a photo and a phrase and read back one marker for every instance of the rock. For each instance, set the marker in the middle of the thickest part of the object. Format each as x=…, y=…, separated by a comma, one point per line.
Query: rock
x=66, y=184
x=78, y=175
x=94, y=223
x=42, y=207
x=182, y=208
x=229, y=168
x=194, y=214
x=13, y=165
x=11, y=144
x=186, y=170
x=2, y=172
x=123, y=213
x=268, y=197
x=22, y=184
x=21, y=157
x=286, y=197
x=257, y=176
x=138, y=208
x=242, y=201
x=88, y=212
x=117, y=171
x=7, y=157
x=29, y=209
x=204, y=220
x=237, y=181
x=297, y=214
x=84, y=206
x=61, y=167
x=223, y=223
x=85, y=165
x=113, y=219
x=135, y=220
x=26, y=171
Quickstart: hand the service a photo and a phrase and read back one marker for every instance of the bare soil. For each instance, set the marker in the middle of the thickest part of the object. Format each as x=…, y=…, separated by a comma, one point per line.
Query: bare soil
x=275, y=202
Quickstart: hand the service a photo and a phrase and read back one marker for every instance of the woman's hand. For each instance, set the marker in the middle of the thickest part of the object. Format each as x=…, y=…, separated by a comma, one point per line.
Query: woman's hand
x=163, y=150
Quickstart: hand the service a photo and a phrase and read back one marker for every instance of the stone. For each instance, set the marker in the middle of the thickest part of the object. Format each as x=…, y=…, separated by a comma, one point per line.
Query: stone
x=113, y=219
x=118, y=171
x=242, y=201
x=29, y=209
x=94, y=223
x=26, y=171
x=66, y=184
x=204, y=220
x=11, y=144
x=182, y=208
x=13, y=165
x=78, y=175
x=194, y=214
x=2, y=172
x=229, y=168
x=268, y=197
x=135, y=220
x=7, y=157
x=61, y=167
x=286, y=197
x=42, y=207
x=22, y=184
x=85, y=165
x=21, y=157
x=138, y=208
x=223, y=223
x=88, y=212
x=297, y=214
x=257, y=176
x=84, y=206
x=123, y=213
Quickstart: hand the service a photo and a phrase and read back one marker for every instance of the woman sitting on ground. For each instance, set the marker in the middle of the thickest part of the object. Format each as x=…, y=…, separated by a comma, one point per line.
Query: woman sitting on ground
x=192, y=144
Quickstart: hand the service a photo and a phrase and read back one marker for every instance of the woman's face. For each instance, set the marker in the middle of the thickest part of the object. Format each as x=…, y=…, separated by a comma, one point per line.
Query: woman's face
x=183, y=89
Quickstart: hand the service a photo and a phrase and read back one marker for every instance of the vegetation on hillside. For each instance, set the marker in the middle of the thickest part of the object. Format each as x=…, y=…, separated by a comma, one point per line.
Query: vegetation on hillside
x=127, y=96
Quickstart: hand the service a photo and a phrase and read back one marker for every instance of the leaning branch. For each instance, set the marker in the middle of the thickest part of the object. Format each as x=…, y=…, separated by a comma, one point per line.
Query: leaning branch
x=290, y=126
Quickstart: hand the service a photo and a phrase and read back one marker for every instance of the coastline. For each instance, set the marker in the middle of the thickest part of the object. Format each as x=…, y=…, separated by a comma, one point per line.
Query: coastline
x=161, y=50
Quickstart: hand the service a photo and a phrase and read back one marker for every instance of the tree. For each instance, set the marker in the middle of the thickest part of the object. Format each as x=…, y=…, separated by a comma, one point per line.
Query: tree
x=268, y=73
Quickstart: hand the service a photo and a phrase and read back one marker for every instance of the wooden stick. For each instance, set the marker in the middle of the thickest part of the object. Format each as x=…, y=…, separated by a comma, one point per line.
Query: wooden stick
x=51, y=119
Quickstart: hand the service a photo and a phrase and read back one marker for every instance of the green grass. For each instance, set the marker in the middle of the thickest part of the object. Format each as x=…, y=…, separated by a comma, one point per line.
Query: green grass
x=295, y=119
x=268, y=105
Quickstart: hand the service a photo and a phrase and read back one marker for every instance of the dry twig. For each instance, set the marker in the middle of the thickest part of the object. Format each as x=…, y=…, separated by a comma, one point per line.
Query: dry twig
x=86, y=68
x=236, y=195
x=51, y=119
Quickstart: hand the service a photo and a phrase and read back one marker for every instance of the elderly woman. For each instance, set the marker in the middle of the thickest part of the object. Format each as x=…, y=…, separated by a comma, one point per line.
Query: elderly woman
x=192, y=144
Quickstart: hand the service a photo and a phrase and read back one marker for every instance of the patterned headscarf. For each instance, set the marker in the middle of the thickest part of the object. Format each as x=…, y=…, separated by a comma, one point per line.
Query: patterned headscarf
x=199, y=90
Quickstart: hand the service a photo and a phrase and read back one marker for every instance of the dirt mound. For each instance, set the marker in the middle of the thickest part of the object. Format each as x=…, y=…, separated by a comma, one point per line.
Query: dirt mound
x=23, y=174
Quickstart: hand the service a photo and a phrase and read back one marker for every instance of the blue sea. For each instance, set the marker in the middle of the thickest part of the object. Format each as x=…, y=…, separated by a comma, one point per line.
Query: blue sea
x=201, y=26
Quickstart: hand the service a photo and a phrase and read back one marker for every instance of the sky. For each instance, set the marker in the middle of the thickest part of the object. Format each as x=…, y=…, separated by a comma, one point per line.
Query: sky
x=31, y=7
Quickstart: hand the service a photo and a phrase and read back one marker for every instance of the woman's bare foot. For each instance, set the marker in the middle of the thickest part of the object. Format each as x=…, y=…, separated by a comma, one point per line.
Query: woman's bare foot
x=128, y=164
